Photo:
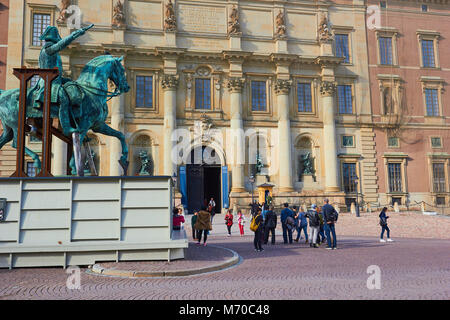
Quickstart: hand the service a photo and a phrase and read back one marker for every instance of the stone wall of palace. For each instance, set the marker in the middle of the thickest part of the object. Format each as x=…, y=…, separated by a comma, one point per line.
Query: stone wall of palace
x=200, y=39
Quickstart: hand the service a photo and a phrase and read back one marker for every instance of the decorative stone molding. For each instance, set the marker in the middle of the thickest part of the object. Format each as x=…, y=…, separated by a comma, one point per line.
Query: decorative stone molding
x=327, y=88
x=63, y=15
x=234, y=28
x=118, y=19
x=281, y=26
x=169, y=82
x=170, y=21
x=324, y=30
x=283, y=86
x=235, y=84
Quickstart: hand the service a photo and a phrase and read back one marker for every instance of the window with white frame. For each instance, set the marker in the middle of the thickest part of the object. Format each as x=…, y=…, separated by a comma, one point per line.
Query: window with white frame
x=304, y=97
x=439, y=177
x=385, y=46
x=395, y=177
x=342, y=46
x=40, y=22
x=203, y=93
x=432, y=102
x=349, y=177
x=428, y=48
x=144, y=91
x=345, y=99
x=259, y=95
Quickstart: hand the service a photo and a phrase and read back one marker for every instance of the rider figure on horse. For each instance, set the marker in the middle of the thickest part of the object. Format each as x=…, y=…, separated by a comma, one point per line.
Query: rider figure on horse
x=49, y=58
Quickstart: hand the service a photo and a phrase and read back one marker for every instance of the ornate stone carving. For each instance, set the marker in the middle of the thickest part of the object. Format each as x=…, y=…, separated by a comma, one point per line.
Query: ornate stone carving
x=281, y=26
x=203, y=71
x=234, y=27
x=324, y=30
x=170, y=21
x=169, y=82
x=235, y=84
x=327, y=88
x=118, y=19
x=204, y=130
x=63, y=14
x=188, y=90
x=283, y=86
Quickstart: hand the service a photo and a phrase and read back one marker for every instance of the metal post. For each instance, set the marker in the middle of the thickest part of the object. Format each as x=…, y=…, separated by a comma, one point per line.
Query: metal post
x=357, y=202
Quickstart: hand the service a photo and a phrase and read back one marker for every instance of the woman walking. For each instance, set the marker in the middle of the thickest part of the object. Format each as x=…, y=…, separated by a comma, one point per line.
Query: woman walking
x=203, y=225
x=241, y=222
x=193, y=221
x=259, y=231
x=384, y=226
x=229, y=221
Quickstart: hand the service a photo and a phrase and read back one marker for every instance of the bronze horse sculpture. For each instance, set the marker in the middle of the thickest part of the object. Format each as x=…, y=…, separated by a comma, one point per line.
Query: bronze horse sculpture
x=85, y=99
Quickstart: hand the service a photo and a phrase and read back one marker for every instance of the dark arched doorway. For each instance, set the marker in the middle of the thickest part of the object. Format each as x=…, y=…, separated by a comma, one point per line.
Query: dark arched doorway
x=203, y=179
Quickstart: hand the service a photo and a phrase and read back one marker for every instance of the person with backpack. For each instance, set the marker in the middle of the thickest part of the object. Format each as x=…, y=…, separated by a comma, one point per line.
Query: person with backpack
x=314, y=225
x=269, y=225
x=257, y=227
x=330, y=218
x=287, y=225
x=302, y=225
x=229, y=221
x=384, y=226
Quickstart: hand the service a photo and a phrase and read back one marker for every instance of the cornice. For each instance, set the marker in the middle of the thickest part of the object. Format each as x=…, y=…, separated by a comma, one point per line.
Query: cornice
x=329, y=61
x=236, y=55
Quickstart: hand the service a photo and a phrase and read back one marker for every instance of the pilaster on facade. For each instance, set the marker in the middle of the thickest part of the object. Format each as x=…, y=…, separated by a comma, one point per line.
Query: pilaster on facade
x=369, y=171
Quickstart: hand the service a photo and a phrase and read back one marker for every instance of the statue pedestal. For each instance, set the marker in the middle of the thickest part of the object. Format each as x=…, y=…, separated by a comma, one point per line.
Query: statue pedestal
x=281, y=45
x=326, y=48
x=308, y=180
x=171, y=39
x=260, y=179
x=235, y=42
x=118, y=35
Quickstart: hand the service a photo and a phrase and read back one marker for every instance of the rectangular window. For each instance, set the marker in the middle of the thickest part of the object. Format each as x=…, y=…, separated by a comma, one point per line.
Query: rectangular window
x=428, y=53
x=383, y=4
x=259, y=101
x=40, y=23
x=203, y=93
x=345, y=101
x=436, y=142
x=438, y=177
x=424, y=8
x=385, y=44
x=304, y=97
x=349, y=177
x=432, y=101
x=395, y=199
x=144, y=92
x=440, y=201
x=31, y=169
x=393, y=142
x=342, y=51
x=347, y=141
x=395, y=177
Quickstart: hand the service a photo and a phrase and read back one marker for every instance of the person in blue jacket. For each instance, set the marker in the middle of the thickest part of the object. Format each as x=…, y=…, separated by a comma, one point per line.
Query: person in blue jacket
x=287, y=232
x=384, y=226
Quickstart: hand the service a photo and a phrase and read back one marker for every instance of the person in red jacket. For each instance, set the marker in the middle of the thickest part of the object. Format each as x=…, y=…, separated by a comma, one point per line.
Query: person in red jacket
x=177, y=219
x=229, y=221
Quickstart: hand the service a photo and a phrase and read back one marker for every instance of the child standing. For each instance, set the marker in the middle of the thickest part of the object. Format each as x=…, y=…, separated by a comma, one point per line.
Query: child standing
x=241, y=222
x=229, y=221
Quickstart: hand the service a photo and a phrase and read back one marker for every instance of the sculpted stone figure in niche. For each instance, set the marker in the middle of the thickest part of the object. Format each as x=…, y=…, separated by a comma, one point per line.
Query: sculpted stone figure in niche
x=118, y=19
x=233, y=24
x=63, y=14
x=324, y=30
x=281, y=25
x=170, y=22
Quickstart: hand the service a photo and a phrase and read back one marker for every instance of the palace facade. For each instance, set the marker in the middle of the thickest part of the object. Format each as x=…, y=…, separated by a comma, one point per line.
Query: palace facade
x=228, y=96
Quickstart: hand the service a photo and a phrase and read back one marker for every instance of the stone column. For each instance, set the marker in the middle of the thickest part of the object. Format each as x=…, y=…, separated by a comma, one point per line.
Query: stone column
x=59, y=150
x=282, y=88
x=327, y=90
x=115, y=148
x=169, y=85
x=237, y=142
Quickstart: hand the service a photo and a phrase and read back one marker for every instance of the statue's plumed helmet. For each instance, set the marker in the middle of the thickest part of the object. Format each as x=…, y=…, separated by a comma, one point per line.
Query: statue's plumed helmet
x=51, y=34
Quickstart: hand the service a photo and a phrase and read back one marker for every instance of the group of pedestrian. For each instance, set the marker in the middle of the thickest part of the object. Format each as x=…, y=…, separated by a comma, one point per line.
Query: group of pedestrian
x=322, y=223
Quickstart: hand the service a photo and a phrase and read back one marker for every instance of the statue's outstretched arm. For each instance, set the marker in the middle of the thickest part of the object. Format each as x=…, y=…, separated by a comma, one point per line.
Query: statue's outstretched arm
x=62, y=44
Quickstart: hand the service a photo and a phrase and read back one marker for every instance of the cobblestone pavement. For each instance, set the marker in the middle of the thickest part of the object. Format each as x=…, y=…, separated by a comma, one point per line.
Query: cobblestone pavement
x=410, y=269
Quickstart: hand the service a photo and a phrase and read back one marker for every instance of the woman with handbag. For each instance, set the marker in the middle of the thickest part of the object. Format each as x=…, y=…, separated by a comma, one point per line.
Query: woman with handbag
x=384, y=226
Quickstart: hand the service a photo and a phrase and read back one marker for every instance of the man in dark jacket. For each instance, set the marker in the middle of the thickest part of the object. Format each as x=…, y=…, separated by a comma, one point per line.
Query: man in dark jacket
x=330, y=216
x=285, y=213
x=269, y=225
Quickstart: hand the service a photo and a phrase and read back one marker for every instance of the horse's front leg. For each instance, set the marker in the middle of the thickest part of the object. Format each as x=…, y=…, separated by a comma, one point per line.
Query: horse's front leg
x=107, y=130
